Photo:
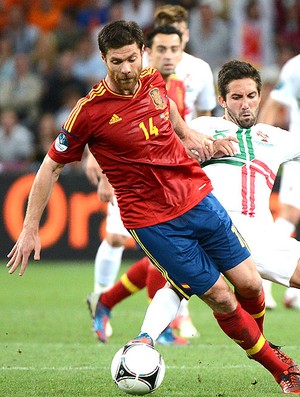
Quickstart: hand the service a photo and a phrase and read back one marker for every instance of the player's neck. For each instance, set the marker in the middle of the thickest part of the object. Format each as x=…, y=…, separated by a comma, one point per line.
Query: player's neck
x=117, y=89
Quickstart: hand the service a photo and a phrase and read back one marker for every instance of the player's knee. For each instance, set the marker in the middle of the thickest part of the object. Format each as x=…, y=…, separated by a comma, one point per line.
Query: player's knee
x=116, y=240
x=220, y=298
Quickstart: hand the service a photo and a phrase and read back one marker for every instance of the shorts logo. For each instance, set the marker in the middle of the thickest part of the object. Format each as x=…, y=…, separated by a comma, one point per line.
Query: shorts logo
x=157, y=99
x=61, y=143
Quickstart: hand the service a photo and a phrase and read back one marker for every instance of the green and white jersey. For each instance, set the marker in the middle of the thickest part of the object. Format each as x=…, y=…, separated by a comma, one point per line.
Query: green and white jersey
x=243, y=183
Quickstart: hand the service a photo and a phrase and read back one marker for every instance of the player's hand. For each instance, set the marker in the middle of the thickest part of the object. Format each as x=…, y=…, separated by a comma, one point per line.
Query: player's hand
x=105, y=190
x=198, y=145
x=92, y=169
x=225, y=147
x=28, y=241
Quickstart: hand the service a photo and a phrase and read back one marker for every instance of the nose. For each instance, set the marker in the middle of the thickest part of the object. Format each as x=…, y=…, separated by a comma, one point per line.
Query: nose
x=125, y=68
x=245, y=104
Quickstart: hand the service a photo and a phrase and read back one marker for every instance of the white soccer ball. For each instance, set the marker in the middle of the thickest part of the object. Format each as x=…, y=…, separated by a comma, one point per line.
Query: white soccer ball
x=138, y=369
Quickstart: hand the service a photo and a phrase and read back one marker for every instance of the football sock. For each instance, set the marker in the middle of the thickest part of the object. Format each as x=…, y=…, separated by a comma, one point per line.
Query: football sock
x=107, y=265
x=161, y=311
x=243, y=330
x=155, y=281
x=184, y=309
x=254, y=306
x=131, y=282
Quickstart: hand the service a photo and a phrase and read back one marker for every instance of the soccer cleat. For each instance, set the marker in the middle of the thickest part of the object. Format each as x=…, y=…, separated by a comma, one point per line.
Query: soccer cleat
x=185, y=326
x=290, y=381
x=283, y=357
x=168, y=337
x=143, y=338
x=101, y=318
x=92, y=301
x=291, y=299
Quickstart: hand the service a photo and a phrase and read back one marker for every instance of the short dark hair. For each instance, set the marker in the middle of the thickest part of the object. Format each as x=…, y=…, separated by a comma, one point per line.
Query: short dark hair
x=236, y=70
x=117, y=34
x=163, y=29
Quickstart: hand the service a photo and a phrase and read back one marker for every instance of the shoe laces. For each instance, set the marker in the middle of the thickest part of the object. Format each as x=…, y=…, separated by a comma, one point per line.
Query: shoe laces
x=283, y=356
x=143, y=338
x=291, y=378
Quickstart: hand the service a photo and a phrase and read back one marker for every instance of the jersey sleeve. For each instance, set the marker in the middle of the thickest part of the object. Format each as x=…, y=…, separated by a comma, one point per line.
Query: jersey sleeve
x=74, y=135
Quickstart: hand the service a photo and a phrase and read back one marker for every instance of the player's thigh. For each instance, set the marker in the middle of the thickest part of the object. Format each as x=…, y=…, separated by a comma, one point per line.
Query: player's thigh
x=181, y=260
x=217, y=235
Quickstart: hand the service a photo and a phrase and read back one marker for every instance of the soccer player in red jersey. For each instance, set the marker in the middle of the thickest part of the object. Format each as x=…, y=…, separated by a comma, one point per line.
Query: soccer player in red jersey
x=149, y=154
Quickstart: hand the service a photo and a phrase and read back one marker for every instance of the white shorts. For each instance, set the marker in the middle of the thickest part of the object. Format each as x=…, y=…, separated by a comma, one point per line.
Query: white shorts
x=289, y=191
x=276, y=258
x=114, y=224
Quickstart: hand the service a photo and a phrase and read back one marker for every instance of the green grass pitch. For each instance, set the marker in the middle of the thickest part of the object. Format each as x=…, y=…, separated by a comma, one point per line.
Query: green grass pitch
x=47, y=348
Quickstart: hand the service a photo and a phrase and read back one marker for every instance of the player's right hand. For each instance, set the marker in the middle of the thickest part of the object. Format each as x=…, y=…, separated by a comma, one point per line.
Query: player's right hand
x=27, y=242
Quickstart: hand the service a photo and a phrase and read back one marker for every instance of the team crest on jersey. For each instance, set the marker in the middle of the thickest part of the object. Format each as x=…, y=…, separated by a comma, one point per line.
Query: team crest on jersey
x=61, y=143
x=264, y=137
x=157, y=99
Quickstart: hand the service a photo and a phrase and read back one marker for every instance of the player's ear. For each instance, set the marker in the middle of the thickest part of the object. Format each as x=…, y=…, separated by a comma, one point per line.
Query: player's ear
x=222, y=102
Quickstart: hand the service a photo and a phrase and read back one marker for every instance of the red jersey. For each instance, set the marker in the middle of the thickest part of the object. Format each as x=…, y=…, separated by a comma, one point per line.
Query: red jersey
x=176, y=91
x=133, y=140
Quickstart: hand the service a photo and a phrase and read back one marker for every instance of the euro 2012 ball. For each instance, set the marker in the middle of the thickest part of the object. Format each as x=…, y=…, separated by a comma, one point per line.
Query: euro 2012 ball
x=138, y=369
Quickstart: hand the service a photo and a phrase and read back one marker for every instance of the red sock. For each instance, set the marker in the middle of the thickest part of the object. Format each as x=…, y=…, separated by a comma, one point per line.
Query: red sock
x=131, y=282
x=243, y=329
x=155, y=281
x=254, y=306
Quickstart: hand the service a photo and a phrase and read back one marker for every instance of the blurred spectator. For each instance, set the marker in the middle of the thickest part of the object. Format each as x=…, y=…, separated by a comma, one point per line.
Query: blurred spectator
x=61, y=77
x=88, y=65
x=288, y=25
x=140, y=11
x=46, y=132
x=45, y=14
x=6, y=58
x=22, y=91
x=71, y=95
x=209, y=34
x=44, y=55
x=68, y=30
x=16, y=142
x=23, y=34
x=252, y=38
x=93, y=14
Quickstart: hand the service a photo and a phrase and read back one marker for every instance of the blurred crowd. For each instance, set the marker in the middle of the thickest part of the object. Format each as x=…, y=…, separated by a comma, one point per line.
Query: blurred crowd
x=49, y=56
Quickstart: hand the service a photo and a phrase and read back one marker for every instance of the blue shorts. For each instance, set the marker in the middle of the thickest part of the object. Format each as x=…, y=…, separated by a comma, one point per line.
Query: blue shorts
x=192, y=250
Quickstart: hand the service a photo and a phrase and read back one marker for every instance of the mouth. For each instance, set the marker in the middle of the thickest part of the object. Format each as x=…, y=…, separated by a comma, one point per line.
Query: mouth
x=246, y=115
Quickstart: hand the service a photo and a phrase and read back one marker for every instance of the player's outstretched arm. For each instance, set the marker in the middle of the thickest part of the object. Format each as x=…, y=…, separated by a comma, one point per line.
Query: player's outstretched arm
x=39, y=196
x=198, y=145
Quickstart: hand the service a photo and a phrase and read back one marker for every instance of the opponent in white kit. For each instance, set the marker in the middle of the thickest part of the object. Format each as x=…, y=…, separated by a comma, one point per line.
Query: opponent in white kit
x=287, y=93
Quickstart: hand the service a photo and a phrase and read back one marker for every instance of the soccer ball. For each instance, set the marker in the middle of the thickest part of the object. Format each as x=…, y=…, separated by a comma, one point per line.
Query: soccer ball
x=137, y=368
